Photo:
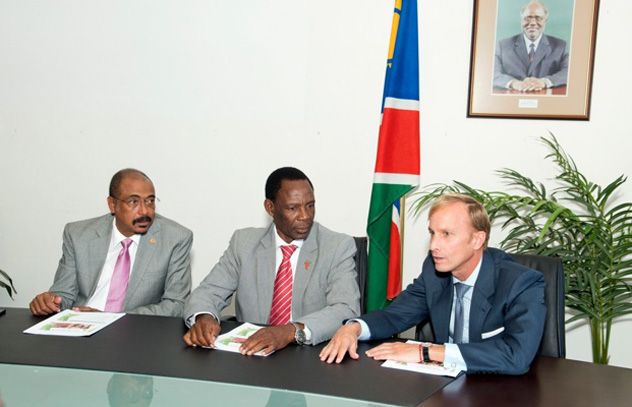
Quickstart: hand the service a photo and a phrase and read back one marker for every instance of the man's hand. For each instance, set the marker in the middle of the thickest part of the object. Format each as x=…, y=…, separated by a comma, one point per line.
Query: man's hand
x=45, y=303
x=83, y=308
x=532, y=84
x=203, y=332
x=345, y=340
x=528, y=84
x=402, y=352
x=268, y=339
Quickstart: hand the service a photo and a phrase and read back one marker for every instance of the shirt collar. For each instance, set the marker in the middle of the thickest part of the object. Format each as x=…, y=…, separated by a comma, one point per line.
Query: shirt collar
x=471, y=280
x=118, y=237
x=278, y=242
x=527, y=42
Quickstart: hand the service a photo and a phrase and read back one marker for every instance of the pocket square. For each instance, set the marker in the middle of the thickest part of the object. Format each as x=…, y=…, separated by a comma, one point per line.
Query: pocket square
x=487, y=335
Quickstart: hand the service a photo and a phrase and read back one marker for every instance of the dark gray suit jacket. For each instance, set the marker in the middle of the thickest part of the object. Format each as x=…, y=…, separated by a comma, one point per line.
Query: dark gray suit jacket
x=506, y=315
x=161, y=275
x=325, y=291
x=512, y=61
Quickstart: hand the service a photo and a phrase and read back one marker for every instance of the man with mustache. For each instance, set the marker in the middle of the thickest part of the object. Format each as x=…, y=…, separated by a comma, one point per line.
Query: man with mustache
x=295, y=275
x=531, y=60
x=130, y=260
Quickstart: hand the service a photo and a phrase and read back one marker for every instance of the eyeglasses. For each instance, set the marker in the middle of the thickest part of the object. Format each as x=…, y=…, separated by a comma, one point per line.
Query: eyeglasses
x=134, y=201
x=538, y=19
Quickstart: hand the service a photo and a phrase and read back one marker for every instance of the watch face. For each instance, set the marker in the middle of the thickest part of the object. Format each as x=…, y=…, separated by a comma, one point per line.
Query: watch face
x=299, y=336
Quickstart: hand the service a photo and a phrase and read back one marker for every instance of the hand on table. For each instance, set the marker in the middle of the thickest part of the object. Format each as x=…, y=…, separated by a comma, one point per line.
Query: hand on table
x=45, y=303
x=345, y=340
x=203, y=332
x=268, y=339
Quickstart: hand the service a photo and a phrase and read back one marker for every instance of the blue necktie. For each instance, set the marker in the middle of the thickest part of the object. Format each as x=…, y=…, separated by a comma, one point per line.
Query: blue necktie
x=461, y=289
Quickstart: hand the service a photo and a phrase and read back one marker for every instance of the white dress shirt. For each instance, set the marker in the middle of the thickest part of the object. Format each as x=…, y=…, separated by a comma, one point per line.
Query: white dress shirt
x=100, y=296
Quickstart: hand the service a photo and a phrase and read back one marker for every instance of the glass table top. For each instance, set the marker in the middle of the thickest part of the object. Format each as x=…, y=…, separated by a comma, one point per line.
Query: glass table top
x=25, y=385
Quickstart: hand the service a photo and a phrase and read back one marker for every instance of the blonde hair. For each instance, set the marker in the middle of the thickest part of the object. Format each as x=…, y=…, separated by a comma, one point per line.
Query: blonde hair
x=478, y=214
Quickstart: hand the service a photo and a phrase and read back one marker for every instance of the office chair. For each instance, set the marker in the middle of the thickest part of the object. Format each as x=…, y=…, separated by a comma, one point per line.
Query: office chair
x=553, y=339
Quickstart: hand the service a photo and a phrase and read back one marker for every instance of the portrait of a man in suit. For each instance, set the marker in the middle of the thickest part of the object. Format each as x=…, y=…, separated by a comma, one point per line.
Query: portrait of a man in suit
x=295, y=275
x=531, y=60
x=129, y=260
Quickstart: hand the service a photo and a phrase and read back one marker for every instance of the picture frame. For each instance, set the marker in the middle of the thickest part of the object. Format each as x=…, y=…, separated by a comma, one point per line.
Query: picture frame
x=551, y=80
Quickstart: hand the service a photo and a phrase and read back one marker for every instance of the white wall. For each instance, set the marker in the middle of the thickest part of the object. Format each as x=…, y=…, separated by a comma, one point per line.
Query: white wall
x=209, y=96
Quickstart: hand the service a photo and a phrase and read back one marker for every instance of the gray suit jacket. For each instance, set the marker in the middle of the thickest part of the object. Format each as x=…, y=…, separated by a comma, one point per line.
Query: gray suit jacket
x=325, y=291
x=161, y=275
x=549, y=61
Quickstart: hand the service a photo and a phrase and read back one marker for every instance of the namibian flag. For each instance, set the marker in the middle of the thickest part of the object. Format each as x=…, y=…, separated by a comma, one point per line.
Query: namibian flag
x=397, y=163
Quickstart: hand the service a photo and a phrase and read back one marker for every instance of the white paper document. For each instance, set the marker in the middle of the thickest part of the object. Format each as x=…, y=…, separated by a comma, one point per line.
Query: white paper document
x=74, y=323
x=428, y=368
x=231, y=341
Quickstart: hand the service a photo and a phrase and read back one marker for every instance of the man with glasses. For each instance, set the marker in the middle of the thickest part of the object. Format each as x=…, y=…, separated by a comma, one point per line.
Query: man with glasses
x=130, y=260
x=531, y=60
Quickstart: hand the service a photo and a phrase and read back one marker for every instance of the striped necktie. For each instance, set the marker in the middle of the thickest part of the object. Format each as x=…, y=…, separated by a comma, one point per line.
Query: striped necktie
x=282, y=297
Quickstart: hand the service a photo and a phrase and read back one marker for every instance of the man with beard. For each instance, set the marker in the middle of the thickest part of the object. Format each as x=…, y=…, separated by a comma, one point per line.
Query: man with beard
x=131, y=260
x=531, y=60
x=295, y=275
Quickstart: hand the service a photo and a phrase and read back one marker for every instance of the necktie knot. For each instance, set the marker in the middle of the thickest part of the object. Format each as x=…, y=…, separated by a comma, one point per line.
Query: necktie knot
x=461, y=289
x=126, y=243
x=288, y=251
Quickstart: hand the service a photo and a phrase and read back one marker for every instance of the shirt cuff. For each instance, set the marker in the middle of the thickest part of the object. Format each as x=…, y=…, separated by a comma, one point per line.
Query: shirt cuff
x=191, y=320
x=548, y=82
x=365, y=332
x=453, y=358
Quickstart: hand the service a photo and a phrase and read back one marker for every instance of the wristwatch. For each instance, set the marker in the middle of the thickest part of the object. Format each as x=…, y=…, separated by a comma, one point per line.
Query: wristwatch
x=299, y=334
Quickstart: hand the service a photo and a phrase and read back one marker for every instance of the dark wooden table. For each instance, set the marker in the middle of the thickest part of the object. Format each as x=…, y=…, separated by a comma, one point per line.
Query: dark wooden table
x=153, y=345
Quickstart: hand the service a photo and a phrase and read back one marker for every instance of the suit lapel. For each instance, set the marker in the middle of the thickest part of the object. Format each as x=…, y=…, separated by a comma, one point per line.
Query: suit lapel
x=149, y=243
x=484, y=288
x=307, y=259
x=265, y=260
x=544, y=49
x=98, y=250
x=440, y=310
x=520, y=49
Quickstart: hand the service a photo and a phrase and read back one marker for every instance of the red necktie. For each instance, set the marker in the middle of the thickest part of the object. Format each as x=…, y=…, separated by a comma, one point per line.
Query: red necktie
x=282, y=297
x=120, y=278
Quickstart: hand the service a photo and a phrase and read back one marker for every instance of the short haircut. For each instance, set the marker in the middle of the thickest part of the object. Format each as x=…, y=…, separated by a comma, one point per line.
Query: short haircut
x=120, y=175
x=524, y=8
x=478, y=214
x=273, y=184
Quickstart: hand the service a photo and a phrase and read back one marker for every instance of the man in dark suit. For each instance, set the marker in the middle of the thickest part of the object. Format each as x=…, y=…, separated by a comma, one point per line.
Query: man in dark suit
x=130, y=260
x=486, y=311
x=531, y=60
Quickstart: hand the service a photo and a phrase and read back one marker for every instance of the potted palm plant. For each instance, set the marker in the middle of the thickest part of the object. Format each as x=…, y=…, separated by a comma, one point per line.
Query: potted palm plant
x=579, y=221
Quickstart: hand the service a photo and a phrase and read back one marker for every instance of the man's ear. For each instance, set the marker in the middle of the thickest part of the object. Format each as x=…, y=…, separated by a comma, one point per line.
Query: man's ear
x=478, y=239
x=111, y=204
x=269, y=207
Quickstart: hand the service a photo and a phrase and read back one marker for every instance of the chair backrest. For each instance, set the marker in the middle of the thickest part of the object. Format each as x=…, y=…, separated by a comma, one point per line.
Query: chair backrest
x=553, y=339
x=361, y=268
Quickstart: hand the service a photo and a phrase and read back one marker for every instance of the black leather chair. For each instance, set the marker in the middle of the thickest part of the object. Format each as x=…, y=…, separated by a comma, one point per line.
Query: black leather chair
x=361, y=259
x=554, y=339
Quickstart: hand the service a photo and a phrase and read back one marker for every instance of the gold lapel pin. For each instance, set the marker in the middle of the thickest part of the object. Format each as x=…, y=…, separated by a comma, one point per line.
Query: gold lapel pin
x=152, y=240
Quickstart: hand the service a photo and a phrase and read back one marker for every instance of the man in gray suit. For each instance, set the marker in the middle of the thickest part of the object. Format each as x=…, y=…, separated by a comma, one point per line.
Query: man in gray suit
x=323, y=290
x=157, y=276
x=531, y=61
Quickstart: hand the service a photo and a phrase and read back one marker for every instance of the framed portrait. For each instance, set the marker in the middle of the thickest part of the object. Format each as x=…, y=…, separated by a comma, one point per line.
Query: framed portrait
x=532, y=59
